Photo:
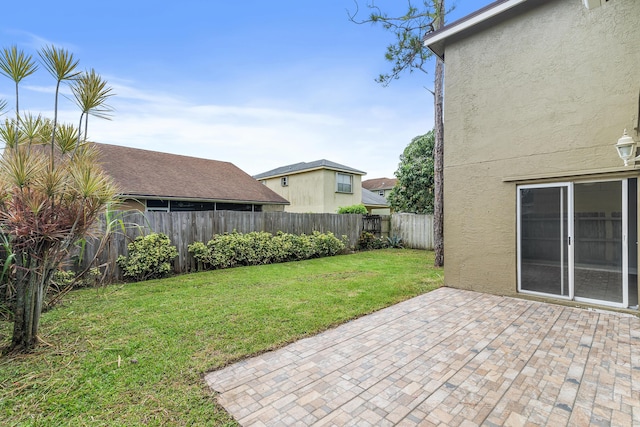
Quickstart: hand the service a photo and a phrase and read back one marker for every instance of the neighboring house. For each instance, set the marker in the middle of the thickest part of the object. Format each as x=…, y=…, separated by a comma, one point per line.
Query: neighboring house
x=537, y=201
x=375, y=204
x=154, y=181
x=315, y=187
x=380, y=186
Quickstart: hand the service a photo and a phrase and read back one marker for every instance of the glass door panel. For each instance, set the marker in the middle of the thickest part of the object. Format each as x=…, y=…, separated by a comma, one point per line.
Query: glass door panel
x=598, y=231
x=543, y=232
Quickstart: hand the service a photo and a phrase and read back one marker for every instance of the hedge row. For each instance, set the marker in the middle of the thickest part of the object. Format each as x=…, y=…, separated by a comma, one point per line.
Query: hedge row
x=237, y=249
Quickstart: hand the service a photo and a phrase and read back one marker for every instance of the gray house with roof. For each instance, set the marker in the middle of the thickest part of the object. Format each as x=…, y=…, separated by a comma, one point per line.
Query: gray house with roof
x=375, y=203
x=321, y=186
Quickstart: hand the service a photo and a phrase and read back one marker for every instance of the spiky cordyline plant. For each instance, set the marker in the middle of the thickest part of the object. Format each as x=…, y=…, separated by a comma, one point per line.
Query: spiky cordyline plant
x=62, y=66
x=49, y=199
x=91, y=94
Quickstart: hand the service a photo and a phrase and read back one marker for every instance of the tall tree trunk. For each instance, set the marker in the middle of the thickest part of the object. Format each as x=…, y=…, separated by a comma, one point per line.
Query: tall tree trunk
x=25, y=316
x=32, y=278
x=438, y=155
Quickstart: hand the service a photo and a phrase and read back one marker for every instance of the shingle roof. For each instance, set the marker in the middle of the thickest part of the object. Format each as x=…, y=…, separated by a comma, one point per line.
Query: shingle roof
x=379, y=183
x=302, y=167
x=372, y=199
x=144, y=173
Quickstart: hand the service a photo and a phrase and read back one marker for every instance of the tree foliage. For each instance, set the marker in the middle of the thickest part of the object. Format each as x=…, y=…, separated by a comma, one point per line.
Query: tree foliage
x=51, y=189
x=414, y=190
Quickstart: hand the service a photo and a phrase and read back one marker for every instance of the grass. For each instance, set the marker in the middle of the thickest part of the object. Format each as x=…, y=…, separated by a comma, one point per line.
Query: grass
x=136, y=354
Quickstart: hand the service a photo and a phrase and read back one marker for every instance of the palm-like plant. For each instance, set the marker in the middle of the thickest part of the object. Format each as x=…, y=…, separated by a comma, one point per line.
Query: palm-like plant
x=62, y=66
x=91, y=94
x=16, y=65
x=46, y=205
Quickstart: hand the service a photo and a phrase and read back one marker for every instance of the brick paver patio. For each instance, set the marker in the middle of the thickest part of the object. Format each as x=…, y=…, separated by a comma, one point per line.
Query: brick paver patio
x=449, y=357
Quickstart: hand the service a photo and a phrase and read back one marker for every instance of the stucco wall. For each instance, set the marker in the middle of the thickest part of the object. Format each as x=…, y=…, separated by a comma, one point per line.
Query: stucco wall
x=272, y=208
x=547, y=92
x=380, y=211
x=315, y=192
x=334, y=200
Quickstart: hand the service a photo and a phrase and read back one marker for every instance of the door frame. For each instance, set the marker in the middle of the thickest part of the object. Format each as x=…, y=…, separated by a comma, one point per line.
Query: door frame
x=568, y=186
x=569, y=189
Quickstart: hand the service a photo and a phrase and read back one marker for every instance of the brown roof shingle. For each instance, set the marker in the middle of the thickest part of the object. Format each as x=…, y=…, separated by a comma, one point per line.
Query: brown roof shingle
x=379, y=184
x=144, y=173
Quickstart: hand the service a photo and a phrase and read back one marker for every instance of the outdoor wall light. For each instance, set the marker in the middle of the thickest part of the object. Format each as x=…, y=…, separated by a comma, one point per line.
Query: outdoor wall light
x=626, y=147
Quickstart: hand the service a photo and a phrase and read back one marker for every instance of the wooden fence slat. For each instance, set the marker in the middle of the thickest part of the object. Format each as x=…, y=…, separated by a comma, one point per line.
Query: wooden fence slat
x=415, y=230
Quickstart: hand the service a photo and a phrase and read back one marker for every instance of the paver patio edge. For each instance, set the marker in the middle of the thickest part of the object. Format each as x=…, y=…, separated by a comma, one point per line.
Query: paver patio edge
x=449, y=357
x=254, y=364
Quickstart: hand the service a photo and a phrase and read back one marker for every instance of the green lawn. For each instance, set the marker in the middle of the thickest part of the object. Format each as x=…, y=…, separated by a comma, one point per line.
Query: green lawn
x=136, y=354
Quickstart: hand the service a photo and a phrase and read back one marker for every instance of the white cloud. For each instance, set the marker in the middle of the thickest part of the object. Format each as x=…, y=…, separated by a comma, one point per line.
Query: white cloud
x=34, y=42
x=256, y=137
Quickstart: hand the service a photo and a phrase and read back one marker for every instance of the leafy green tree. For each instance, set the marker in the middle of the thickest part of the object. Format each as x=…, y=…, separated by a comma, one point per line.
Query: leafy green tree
x=51, y=189
x=414, y=190
x=408, y=53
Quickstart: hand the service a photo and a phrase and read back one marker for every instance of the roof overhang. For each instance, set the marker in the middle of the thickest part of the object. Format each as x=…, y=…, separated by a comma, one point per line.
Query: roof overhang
x=437, y=40
x=195, y=199
x=311, y=169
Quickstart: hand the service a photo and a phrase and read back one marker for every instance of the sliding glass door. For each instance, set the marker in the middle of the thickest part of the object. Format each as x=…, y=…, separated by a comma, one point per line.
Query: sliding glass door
x=543, y=213
x=579, y=241
x=598, y=227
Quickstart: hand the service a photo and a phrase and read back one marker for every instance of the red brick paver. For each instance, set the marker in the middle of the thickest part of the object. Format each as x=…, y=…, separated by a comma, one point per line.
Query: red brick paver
x=448, y=358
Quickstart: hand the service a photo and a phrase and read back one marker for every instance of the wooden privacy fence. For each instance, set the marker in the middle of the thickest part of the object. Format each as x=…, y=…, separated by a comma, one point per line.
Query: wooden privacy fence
x=415, y=230
x=185, y=228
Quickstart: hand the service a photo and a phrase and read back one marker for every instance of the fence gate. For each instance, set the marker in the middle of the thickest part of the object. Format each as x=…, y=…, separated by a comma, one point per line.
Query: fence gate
x=372, y=224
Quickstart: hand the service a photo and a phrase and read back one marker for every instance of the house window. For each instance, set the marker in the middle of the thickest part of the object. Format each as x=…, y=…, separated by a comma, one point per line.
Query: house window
x=284, y=181
x=157, y=206
x=381, y=193
x=344, y=183
x=189, y=206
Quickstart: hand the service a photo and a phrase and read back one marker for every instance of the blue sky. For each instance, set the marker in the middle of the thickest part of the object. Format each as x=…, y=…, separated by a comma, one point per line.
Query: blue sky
x=261, y=85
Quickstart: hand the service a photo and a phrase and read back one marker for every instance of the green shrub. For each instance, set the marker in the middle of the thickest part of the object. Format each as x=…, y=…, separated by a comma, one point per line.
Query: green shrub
x=368, y=241
x=64, y=278
x=353, y=209
x=149, y=257
x=301, y=247
x=395, y=242
x=236, y=249
x=327, y=244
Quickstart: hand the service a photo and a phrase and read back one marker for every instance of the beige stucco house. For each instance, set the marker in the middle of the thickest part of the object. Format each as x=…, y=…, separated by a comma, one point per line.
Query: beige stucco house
x=321, y=186
x=537, y=201
x=155, y=181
